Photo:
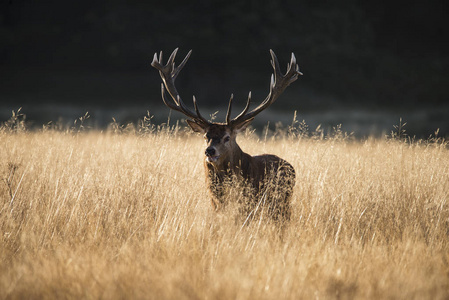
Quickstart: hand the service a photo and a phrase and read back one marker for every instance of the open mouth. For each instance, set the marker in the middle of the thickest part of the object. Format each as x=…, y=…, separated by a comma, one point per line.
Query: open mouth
x=212, y=159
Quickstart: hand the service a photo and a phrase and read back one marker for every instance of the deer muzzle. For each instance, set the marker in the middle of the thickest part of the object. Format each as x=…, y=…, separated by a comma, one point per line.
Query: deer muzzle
x=211, y=155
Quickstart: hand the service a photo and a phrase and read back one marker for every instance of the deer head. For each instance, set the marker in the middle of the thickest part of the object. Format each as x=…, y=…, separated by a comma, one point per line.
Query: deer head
x=221, y=137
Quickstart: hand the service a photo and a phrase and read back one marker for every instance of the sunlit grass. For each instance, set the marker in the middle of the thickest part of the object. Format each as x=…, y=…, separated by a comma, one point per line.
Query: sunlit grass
x=125, y=215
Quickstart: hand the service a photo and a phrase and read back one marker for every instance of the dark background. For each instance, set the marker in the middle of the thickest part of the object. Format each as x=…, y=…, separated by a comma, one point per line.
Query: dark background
x=365, y=63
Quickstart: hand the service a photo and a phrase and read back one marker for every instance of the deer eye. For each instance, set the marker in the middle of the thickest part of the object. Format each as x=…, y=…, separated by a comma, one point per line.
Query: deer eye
x=226, y=139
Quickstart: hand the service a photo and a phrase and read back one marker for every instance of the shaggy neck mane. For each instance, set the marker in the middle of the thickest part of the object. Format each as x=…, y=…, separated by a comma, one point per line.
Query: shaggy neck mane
x=234, y=164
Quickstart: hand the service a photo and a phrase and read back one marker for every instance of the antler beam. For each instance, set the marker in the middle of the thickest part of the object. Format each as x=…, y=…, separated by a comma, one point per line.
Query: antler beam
x=279, y=83
x=168, y=73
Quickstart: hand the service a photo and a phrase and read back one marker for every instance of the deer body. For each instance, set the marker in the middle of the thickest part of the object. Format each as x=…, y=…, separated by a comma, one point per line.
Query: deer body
x=254, y=174
x=266, y=181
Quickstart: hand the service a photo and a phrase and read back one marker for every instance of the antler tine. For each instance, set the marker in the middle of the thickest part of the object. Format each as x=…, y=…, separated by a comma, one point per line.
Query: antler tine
x=182, y=108
x=155, y=60
x=168, y=73
x=228, y=114
x=248, y=102
x=275, y=64
x=293, y=62
x=171, y=59
x=198, y=111
x=182, y=64
x=278, y=84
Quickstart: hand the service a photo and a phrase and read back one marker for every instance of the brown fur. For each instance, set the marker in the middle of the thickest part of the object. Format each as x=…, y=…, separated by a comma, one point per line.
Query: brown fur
x=267, y=180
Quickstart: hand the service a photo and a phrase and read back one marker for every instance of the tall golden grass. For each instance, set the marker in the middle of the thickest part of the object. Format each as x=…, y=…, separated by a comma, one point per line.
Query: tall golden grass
x=108, y=215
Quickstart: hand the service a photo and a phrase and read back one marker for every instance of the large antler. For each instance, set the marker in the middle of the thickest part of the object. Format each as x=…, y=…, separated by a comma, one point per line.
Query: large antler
x=279, y=83
x=168, y=74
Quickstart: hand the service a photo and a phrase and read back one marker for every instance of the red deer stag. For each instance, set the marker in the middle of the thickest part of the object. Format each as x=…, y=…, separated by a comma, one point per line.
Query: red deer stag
x=268, y=180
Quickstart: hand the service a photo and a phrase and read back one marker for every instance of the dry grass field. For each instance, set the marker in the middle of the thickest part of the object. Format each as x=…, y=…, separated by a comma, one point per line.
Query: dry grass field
x=104, y=215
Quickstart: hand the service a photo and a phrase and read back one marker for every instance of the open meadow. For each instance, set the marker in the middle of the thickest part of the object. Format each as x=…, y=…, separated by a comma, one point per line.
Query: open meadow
x=126, y=215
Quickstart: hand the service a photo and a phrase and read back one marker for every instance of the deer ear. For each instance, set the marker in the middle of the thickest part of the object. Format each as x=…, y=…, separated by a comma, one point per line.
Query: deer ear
x=196, y=127
x=242, y=126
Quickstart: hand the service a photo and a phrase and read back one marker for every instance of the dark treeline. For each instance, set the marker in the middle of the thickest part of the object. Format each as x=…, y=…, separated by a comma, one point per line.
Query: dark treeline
x=387, y=53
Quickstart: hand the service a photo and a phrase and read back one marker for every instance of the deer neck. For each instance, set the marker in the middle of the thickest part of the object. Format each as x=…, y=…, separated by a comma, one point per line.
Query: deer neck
x=232, y=164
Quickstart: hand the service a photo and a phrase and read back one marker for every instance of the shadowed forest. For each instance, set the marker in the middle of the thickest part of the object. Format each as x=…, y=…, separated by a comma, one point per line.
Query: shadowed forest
x=61, y=59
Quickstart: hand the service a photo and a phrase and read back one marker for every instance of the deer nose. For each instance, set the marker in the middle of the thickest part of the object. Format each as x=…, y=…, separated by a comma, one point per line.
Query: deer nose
x=210, y=151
